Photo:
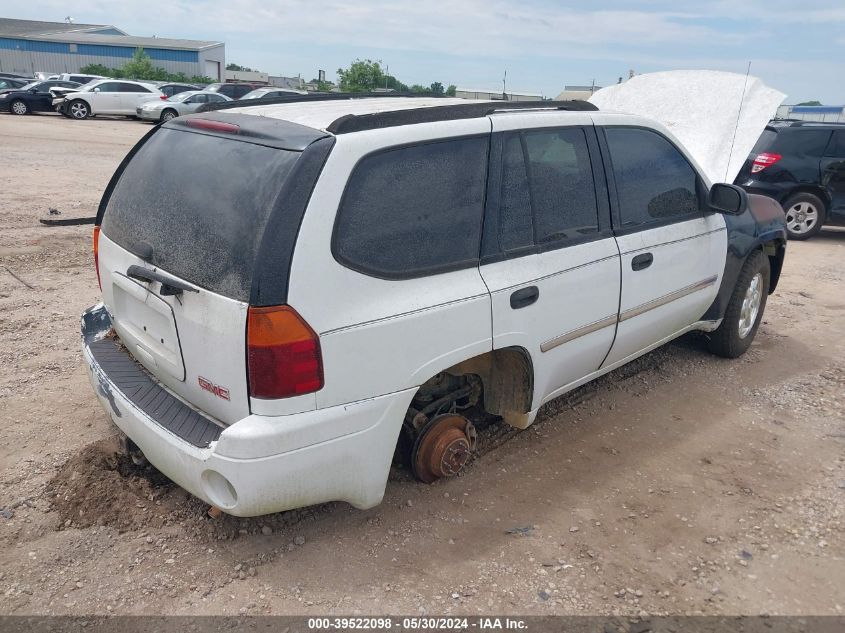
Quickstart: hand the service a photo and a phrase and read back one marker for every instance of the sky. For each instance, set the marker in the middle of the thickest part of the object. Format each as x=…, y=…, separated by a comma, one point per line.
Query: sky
x=796, y=47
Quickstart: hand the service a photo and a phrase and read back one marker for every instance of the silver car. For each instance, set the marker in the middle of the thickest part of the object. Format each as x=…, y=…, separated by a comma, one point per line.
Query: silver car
x=182, y=103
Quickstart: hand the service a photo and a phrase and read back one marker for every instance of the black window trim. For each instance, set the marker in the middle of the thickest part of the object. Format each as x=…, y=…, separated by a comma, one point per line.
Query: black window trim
x=613, y=192
x=420, y=272
x=491, y=251
x=832, y=142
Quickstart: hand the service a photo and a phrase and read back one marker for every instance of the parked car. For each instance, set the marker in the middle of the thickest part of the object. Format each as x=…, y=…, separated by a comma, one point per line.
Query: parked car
x=177, y=105
x=170, y=89
x=10, y=83
x=35, y=96
x=290, y=295
x=233, y=90
x=800, y=164
x=43, y=75
x=107, y=96
x=77, y=77
x=269, y=92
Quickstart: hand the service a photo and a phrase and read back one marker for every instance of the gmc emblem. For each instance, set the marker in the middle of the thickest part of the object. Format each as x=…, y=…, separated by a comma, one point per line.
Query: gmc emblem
x=217, y=390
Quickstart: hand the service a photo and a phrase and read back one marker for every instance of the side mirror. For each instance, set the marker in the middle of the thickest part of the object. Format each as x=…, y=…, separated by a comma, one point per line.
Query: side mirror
x=729, y=199
x=96, y=90
x=33, y=90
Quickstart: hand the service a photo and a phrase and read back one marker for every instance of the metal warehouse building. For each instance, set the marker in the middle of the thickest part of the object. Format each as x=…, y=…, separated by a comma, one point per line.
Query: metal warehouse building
x=28, y=47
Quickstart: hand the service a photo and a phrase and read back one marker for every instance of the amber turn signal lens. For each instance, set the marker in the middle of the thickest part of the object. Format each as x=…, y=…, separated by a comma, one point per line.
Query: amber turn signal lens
x=283, y=354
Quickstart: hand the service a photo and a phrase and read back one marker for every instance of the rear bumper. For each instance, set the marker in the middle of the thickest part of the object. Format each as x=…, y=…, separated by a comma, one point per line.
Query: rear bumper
x=263, y=464
x=147, y=115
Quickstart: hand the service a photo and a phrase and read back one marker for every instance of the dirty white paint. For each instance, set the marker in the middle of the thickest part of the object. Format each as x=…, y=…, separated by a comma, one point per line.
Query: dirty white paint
x=703, y=109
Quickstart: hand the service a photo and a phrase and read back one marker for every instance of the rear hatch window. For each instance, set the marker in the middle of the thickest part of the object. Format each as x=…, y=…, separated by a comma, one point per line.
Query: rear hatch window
x=196, y=206
x=765, y=141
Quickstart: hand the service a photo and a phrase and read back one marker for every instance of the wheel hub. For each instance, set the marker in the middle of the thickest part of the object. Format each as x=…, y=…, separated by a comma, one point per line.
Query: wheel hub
x=443, y=447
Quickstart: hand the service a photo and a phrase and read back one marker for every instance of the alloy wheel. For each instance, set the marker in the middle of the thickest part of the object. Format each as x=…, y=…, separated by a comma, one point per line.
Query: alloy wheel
x=750, y=306
x=801, y=217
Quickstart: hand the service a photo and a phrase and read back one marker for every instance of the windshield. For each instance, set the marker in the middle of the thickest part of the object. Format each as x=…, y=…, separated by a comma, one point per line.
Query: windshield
x=181, y=97
x=33, y=84
x=255, y=94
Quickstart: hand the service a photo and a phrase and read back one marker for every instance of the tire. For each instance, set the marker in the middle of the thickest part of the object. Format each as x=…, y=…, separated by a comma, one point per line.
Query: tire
x=168, y=115
x=18, y=107
x=78, y=110
x=804, y=216
x=745, y=309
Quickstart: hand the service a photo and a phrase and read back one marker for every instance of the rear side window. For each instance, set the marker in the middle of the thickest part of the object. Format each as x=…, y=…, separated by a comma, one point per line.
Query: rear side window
x=196, y=206
x=548, y=193
x=654, y=181
x=802, y=141
x=415, y=210
x=133, y=88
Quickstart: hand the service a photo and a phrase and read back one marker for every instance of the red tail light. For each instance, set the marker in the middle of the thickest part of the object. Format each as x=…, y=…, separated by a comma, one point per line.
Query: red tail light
x=764, y=160
x=97, y=254
x=283, y=354
x=163, y=97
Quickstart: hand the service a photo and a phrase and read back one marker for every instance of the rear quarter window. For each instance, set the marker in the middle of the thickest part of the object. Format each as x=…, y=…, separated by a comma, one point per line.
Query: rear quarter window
x=196, y=206
x=802, y=141
x=413, y=211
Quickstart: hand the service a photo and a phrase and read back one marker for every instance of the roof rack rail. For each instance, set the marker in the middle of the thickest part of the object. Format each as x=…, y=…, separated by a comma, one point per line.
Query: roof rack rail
x=377, y=120
x=392, y=118
x=801, y=123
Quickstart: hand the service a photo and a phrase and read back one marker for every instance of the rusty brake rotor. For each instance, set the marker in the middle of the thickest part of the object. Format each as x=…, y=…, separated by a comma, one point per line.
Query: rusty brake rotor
x=443, y=447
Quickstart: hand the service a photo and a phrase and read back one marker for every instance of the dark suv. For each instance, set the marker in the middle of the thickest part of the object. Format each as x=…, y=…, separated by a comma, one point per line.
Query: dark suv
x=800, y=164
x=233, y=90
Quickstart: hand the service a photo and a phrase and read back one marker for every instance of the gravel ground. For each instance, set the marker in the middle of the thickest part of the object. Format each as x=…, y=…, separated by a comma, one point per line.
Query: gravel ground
x=680, y=484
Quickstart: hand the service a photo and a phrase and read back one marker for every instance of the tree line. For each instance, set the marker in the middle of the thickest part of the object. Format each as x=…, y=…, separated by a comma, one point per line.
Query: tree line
x=366, y=75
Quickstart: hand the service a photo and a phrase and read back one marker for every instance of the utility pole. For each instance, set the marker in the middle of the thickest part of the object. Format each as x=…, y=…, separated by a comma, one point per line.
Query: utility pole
x=505, y=85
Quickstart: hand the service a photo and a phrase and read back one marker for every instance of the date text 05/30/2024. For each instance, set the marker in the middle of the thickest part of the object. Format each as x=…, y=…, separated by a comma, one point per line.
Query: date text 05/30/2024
x=417, y=624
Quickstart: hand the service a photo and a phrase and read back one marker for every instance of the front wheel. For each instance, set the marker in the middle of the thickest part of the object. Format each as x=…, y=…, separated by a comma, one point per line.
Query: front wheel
x=745, y=309
x=804, y=216
x=19, y=107
x=79, y=109
x=168, y=115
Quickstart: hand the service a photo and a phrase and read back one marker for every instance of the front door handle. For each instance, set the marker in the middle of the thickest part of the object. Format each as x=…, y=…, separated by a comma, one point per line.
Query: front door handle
x=641, y=262
x=524, y=297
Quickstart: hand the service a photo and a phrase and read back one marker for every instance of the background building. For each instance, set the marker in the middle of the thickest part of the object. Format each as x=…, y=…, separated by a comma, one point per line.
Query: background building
x=577, y=92
x=28, y=47
x=827, y=114
x=464, y=93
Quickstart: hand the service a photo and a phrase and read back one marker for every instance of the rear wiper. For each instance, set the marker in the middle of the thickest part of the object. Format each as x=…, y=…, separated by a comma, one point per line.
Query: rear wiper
x=169, y=285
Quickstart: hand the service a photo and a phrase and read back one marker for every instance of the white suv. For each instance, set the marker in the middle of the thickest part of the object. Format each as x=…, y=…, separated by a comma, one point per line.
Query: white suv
x=107, y=96
x=292, y=293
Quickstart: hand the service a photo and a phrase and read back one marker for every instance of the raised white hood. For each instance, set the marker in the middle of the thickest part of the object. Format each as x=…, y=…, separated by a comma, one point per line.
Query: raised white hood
x=703, y=109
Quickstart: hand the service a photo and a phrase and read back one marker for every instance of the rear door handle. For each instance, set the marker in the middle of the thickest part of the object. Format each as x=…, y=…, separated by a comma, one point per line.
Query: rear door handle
x=641, y=262
x=524, y=297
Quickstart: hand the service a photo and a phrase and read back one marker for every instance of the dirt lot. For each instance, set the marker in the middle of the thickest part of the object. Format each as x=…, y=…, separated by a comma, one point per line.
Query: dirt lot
x=680, y=484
